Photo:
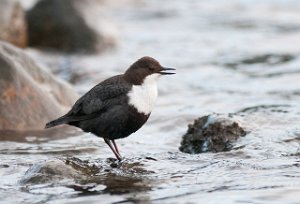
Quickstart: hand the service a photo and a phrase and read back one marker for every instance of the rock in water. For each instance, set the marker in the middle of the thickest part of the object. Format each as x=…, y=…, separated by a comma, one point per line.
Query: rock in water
x=69, y=25
x=13, y=27
x=64, y=170
x=49, y=171
x=30, y=96
x=212, y=133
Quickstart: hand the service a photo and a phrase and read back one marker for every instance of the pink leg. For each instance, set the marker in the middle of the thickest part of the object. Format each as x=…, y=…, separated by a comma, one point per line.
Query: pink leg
x=116, y=147
x=107, y=141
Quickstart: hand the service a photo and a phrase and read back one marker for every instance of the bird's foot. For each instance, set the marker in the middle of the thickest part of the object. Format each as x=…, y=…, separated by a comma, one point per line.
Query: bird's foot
x=113, y=148
x=119, y=157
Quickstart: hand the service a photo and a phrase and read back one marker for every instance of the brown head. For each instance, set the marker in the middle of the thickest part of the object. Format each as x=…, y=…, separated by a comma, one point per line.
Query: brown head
x=144, y=67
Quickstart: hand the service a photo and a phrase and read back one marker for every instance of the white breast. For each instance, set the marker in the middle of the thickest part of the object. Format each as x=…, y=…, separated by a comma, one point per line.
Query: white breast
x=143, y=96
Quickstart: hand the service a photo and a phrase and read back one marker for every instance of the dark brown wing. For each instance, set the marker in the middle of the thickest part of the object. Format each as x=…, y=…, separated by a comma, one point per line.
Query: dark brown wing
x=103, y=96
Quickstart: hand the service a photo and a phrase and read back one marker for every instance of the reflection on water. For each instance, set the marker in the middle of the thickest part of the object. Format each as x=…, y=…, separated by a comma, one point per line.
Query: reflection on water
x=36, y=136
x=232, y=57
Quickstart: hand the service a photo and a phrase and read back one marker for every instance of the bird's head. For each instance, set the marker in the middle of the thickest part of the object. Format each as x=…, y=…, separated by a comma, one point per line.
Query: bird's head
x=146, y=67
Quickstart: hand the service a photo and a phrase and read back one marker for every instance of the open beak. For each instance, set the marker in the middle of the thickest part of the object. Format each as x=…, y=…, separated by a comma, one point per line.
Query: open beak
x=165, y=70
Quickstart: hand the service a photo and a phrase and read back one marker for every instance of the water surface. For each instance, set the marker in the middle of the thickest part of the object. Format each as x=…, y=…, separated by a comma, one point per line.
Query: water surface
x=231, y=57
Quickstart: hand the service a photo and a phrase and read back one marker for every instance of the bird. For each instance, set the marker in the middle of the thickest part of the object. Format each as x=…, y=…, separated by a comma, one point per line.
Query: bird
x=118, y=106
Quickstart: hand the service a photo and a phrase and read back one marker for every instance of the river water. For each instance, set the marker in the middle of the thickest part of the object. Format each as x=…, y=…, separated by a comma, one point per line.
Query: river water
x=231, y=57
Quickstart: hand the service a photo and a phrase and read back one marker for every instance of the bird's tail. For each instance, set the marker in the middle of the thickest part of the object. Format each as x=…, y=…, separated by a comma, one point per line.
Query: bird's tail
x=58, y=121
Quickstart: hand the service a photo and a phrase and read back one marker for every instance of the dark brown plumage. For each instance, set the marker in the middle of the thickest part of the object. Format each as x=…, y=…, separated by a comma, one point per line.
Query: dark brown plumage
x=118, y=106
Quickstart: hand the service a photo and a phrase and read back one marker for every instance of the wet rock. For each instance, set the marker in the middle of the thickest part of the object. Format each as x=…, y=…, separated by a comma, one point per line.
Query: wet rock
x=13, y=27
x=82, y=171
x=70, y=26
x=50, y=171
x=87, y=176
x=30, y=96
x=212, y=133
x=60, y=170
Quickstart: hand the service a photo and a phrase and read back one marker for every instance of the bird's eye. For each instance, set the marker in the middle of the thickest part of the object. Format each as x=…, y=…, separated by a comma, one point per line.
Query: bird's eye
x=151, y=69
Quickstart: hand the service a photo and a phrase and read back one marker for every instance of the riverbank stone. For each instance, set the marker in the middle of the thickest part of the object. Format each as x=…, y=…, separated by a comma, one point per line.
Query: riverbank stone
x=30, y=96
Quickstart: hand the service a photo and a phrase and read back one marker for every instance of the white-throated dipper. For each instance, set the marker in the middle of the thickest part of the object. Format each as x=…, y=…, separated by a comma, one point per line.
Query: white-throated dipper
x=118, y=106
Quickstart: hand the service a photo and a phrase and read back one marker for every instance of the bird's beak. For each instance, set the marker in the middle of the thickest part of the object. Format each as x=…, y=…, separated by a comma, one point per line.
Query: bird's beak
x=165, y=69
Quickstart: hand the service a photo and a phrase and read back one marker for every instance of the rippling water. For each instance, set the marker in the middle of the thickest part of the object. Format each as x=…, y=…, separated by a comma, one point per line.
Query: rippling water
x=231, y=57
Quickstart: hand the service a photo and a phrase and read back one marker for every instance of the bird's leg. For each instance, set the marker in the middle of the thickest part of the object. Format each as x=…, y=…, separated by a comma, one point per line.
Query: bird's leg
x=107, y=141
x=116, y=147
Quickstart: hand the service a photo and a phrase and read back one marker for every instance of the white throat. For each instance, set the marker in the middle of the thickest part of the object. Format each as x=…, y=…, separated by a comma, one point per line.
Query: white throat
x=143, y=96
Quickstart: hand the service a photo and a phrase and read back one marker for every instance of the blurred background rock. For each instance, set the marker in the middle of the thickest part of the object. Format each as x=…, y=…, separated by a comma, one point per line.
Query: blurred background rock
x=68, y=25
x=13, y=24
x=31, y=95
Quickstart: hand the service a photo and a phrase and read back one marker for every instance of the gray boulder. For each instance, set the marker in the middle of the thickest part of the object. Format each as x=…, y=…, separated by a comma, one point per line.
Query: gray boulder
x=30, y=95
x=50, y=171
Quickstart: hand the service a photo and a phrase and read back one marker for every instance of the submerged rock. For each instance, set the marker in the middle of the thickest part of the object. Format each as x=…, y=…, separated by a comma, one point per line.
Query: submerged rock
x=212, y=133
x=70, y=26
x=30, y=96
x=13, y=27
x=50, y=171
x=82, y=171
x=110, y=175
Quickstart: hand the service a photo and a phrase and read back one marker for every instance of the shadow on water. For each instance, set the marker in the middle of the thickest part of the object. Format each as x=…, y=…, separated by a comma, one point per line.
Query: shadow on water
x=270, y=59
x=38, y=136
x=30, y=142
x=273, y=108
x=263, y=65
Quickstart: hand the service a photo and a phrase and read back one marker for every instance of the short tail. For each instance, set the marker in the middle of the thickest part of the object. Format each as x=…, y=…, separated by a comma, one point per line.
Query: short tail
x=59, y=121
x=70, y=118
